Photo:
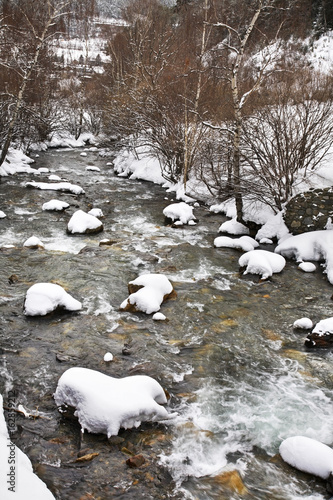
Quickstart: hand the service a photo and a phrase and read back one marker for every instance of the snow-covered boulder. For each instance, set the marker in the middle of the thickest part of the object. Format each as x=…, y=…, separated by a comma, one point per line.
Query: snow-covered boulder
x=147, y=292
x=233, y=227
x=307, y=267
x=2, y=214
x=262, y=262
x=33, y=242
x=93, y=168
x=244, y=243
x=55, y=205
x=181, y=212
x=313, y=246
x=104, y=404
x=44, y=298
x=308, y=455
x=17, y=479
x=321, y=335
x=83, y=223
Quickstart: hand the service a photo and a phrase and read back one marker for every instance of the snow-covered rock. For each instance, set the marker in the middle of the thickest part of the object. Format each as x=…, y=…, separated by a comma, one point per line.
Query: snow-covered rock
x=56, y=186
x=262, y=262
x=313, y=246
x=179, y=212
x=54, y=177
x=307, y=267
x=93, y=168
x=2, y=214
x=303, y=323
x=233, y=227
x=55, y=205
x=108, y=356
x=104, y=404
x=147, y=292
x=83, y=223
x=96, y=212
x=321, y=335
x=43, y=298
x=33, y=242
x=17, y=479
x=308, y=455
x=244, y=243
x=159, y=317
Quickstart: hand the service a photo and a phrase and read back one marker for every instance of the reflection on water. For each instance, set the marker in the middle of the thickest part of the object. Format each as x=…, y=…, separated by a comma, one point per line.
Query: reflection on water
x=238, y=375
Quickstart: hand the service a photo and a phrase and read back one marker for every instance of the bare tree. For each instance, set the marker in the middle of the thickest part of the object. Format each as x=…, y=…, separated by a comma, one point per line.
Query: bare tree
x=286, y=141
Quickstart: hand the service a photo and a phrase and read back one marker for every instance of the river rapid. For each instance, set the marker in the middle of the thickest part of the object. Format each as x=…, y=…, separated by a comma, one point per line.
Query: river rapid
x=237, y=373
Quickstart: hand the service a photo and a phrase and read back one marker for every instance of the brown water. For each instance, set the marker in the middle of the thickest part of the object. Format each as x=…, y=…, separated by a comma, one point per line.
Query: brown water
x=237, y=373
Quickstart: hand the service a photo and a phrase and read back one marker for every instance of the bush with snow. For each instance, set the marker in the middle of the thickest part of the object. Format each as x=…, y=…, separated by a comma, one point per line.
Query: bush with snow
x=147, y=292
x=179, y=212
x=314, y=245
x=104, y=404
x=83, y=223
x=44, y=298
x=25, y=483
x=55, y=205
x=244, y=243
x=262, y=262
x=308, y=455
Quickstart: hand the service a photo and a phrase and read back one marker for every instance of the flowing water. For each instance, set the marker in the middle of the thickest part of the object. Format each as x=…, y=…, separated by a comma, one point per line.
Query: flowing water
x=237, y=373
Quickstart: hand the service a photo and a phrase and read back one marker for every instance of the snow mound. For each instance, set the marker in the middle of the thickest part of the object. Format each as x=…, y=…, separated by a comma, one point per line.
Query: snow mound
x=55, y=205
x=43, y=298
x=303, y=323
x=262, y=262
x=179, y=212
x=159, y=317
x=233, y=227
x=83, y=223
x=16, y=162
x=244, y=243
x=105, y=404
x=147, y=292
x=16, y=470
x=59, y=186
x=33, y=242
x=314, y=245
x=308, y=455
x=147, y=168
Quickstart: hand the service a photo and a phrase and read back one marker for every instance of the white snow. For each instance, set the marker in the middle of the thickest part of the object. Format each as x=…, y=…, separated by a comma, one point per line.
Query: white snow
x=233, y=227
x=105, y=404
x=83, y=153
x=16, y=470
x=54, y=177
x=262, y=262
x=59, y=186
x=324, y=327
x=179, y=211
x=16, y=162
x=2, y=214
x=143, y=166
x=159, y=317
x=308, y=455
x=43, y=170
x=149, y=298
x=55, y=205
x=81, y=222
x=244, y=243
x=314, y=246
x=108, y=356
x=33, y=242
x=43, y=298
x=303, y=323
x=96, y=212
x=307, y=267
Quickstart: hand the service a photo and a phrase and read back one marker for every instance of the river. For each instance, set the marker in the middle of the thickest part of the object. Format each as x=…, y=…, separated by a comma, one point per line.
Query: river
x=238, y=374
